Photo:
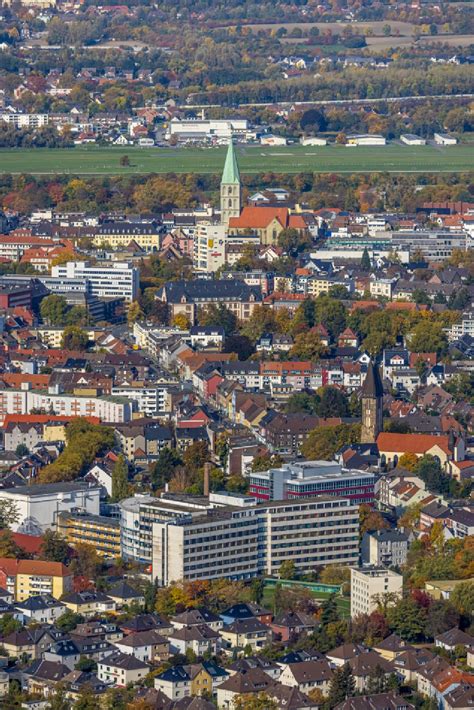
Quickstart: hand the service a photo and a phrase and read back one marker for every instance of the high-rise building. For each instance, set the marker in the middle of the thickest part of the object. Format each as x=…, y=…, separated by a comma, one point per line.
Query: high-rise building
x=243, y=542
x=231, y=193
x=372, y=405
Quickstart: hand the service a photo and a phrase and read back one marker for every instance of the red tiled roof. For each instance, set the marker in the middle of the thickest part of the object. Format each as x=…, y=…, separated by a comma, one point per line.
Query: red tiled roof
x=259, y=217
x=16, y=379
x=40, y=567
x=411, y=443
x=43, y=419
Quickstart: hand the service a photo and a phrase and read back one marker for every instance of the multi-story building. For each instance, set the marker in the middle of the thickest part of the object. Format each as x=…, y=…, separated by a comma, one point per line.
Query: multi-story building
x=98, y=530
x=370, y=585
x=240, y=543
x=311, y=478
x=117, y=279
x=385, y=548
x=435, y=244
x=138, y=514
x=108, y=409
x=28, y=578
x=39, y=505
x=187, y=297
x=120, y=234
x=151, y=400
x=213, y=247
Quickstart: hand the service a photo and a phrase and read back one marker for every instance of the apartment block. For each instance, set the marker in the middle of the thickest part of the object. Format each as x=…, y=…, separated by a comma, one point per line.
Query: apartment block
x=370, y=584
x=108, y=409
x=28, y=578
x=98, y=530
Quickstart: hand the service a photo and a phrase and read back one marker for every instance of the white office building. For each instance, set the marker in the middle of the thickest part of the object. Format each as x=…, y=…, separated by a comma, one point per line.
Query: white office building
x=370, y=585
x=240, y=543
x=39, y=505
x=115, y=280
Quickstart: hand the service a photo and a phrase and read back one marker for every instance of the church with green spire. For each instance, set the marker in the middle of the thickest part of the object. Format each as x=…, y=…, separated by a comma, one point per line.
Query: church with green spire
x=231, y=192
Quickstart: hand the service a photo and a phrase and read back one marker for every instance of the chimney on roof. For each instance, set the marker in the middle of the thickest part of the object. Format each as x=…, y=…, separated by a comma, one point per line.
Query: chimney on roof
x=207, y=473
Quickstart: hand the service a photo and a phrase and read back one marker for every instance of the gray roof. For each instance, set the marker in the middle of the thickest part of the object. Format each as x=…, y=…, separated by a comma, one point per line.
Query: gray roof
x=45, y=488
x=203, y=290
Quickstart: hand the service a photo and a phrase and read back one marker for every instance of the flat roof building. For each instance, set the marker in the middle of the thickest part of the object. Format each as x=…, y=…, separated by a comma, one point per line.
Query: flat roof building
x=371, y=584
x=241, y=543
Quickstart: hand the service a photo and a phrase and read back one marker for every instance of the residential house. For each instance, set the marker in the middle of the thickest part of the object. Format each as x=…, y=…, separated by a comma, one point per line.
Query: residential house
x=120, y=669
x=200, y=639
x=244, y=683
x=88, y=603
x=308, y=676
x=42, y=609
x=148, y=646
x=291, y=624
x=244, y=633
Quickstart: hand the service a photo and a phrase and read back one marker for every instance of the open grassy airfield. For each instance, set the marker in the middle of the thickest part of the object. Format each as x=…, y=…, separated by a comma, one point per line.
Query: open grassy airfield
x=92, y=160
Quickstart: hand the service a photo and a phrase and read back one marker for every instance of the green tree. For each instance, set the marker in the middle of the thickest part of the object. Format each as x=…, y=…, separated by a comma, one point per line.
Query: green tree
x=87, y=700
x=308, y=346
x=162, y=470
x=462, y=598
x=257, y=589
x=407, y=619
x=196, y=455
x=9, y=514
x=342, y=686
x=324, y=442
x=74, y=338
x=331, y=313
x=8, y=625
x=287, y=570
x=428, y=337
x=258, y=701
x=120, y=485
x=88, y=665
x=8, y=546
x=264, y=462
x=333, y=402
x=329, y=611
x=365, y=264
x=54, y=547
x=68, y=621
x=59, y=699
x=22, y=450
x=293, y=241
x=134, y=313
x=219, y=315
x=53, y=309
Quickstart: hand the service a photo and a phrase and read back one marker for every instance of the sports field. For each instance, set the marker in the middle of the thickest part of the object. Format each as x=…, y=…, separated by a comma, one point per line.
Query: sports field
x=283, y=159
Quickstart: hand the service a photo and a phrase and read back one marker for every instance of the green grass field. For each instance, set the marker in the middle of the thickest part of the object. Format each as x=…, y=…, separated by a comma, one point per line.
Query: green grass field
x=343, y=604
x=285, y=159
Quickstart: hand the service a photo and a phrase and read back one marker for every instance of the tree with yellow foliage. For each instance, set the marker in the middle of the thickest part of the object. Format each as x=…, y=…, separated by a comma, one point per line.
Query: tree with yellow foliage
x=181, y=321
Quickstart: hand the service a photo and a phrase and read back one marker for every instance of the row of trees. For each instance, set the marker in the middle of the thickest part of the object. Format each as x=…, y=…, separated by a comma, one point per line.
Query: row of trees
x=151, y=193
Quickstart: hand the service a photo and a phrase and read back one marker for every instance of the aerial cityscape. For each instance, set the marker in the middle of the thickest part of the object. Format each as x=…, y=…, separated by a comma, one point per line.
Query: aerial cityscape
x=236, y=355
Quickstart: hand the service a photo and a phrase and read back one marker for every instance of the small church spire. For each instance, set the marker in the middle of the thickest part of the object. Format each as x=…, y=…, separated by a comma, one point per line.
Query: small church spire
x=230, y=187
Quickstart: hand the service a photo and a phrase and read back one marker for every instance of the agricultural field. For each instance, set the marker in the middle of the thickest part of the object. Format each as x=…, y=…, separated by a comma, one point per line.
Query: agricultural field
x=283, y=159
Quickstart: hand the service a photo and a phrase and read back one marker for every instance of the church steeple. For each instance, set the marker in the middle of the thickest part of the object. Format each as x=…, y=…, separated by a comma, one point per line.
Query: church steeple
x=230, y=187
x=372, y=405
